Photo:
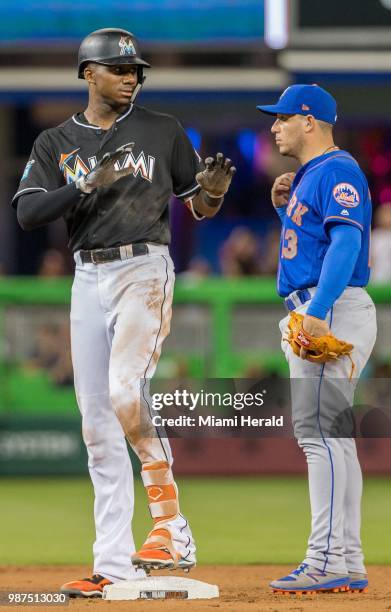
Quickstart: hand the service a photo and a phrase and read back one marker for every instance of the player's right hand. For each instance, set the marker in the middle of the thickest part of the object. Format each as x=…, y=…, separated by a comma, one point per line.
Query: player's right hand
x=281, y=189
x=106, y=172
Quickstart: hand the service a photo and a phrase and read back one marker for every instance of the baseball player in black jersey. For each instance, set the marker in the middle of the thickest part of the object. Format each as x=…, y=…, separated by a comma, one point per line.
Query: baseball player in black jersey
x=110, y=173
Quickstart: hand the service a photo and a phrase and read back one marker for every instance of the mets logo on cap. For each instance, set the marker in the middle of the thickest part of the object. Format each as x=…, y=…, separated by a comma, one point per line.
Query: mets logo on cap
x=126, y=45
x=346, y=195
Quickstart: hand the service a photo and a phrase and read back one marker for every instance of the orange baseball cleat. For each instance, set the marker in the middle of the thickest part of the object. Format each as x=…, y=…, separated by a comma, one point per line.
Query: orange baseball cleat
x=158, y=553
x=87, y=587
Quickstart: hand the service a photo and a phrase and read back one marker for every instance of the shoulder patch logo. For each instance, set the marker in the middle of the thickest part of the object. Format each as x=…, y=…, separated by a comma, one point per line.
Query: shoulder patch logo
x=126, y=45
x=27, y=169
x=345, y=213
x=346, y=195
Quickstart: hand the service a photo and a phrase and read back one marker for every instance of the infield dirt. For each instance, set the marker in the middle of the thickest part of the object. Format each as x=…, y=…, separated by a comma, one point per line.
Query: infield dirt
x=242, y=588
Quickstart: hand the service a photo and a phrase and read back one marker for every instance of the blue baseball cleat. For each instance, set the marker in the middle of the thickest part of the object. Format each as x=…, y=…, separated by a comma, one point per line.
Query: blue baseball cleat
x=358, y=583
x=309, y=580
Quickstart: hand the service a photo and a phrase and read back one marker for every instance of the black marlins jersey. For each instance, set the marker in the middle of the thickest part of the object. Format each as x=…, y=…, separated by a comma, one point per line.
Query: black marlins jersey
x=135, y=208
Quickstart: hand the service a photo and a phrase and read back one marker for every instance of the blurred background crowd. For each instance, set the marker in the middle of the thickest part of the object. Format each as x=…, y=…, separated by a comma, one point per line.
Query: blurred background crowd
x=244, y=239
x=210, y=67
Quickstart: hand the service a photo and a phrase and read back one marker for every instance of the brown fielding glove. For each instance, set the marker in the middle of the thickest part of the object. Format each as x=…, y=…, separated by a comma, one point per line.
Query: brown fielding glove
x=319, y=350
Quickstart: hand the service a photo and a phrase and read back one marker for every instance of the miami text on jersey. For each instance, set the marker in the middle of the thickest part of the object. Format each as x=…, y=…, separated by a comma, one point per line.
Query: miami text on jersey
x=73, y=167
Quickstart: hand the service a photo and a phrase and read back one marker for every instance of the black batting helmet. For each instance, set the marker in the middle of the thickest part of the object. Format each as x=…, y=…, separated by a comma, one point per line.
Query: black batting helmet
x=111, y=46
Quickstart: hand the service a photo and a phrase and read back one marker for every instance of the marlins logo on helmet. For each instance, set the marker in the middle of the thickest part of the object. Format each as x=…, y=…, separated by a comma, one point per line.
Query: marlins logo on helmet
x=126, y=45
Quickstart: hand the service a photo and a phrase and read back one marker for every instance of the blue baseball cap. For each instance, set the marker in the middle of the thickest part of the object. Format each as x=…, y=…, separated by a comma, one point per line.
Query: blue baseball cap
x=304, y=100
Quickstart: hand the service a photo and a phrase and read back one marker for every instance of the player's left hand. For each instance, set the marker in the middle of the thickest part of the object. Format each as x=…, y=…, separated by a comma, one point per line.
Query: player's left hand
x=217, y=176
x=315, y=327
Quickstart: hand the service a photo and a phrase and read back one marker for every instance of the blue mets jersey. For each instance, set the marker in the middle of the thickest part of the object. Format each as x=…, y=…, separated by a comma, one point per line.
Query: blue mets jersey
x=328, y=189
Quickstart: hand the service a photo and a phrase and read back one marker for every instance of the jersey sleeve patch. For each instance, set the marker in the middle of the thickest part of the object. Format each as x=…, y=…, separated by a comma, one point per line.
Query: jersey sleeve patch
x=41, y=172
x=27, y=169
x=346, y=195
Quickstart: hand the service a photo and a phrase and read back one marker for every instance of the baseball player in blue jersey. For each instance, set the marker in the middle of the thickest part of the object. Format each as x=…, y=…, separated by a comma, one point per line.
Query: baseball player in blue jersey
x=325, y=210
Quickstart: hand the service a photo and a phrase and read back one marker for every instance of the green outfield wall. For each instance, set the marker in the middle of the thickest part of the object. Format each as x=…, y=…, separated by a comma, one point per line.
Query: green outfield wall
x=220, y=329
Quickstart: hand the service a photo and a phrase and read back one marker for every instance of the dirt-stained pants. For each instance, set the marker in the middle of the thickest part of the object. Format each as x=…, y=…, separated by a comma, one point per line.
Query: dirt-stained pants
x=120, y=315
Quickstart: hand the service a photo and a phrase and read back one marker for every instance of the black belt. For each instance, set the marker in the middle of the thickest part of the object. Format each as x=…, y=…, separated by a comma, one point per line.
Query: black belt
x=97, y=256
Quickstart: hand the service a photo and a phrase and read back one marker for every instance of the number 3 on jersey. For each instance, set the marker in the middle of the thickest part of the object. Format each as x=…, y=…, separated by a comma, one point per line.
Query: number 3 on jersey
x=289, y=249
